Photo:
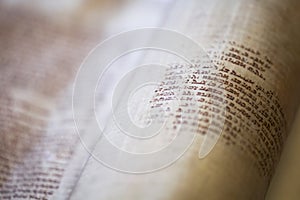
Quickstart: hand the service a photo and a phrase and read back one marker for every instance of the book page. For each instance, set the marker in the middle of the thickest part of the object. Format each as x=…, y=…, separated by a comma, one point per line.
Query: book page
x=257, y=62
x=251, y=49
x=38, y=57
x=285, y=184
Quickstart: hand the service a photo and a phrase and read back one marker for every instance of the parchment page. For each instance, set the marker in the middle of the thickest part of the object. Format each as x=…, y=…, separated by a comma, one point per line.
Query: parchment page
x=254, y=47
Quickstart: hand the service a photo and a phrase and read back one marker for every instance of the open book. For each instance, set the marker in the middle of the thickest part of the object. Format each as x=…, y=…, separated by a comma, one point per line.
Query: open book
x=227, y=112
